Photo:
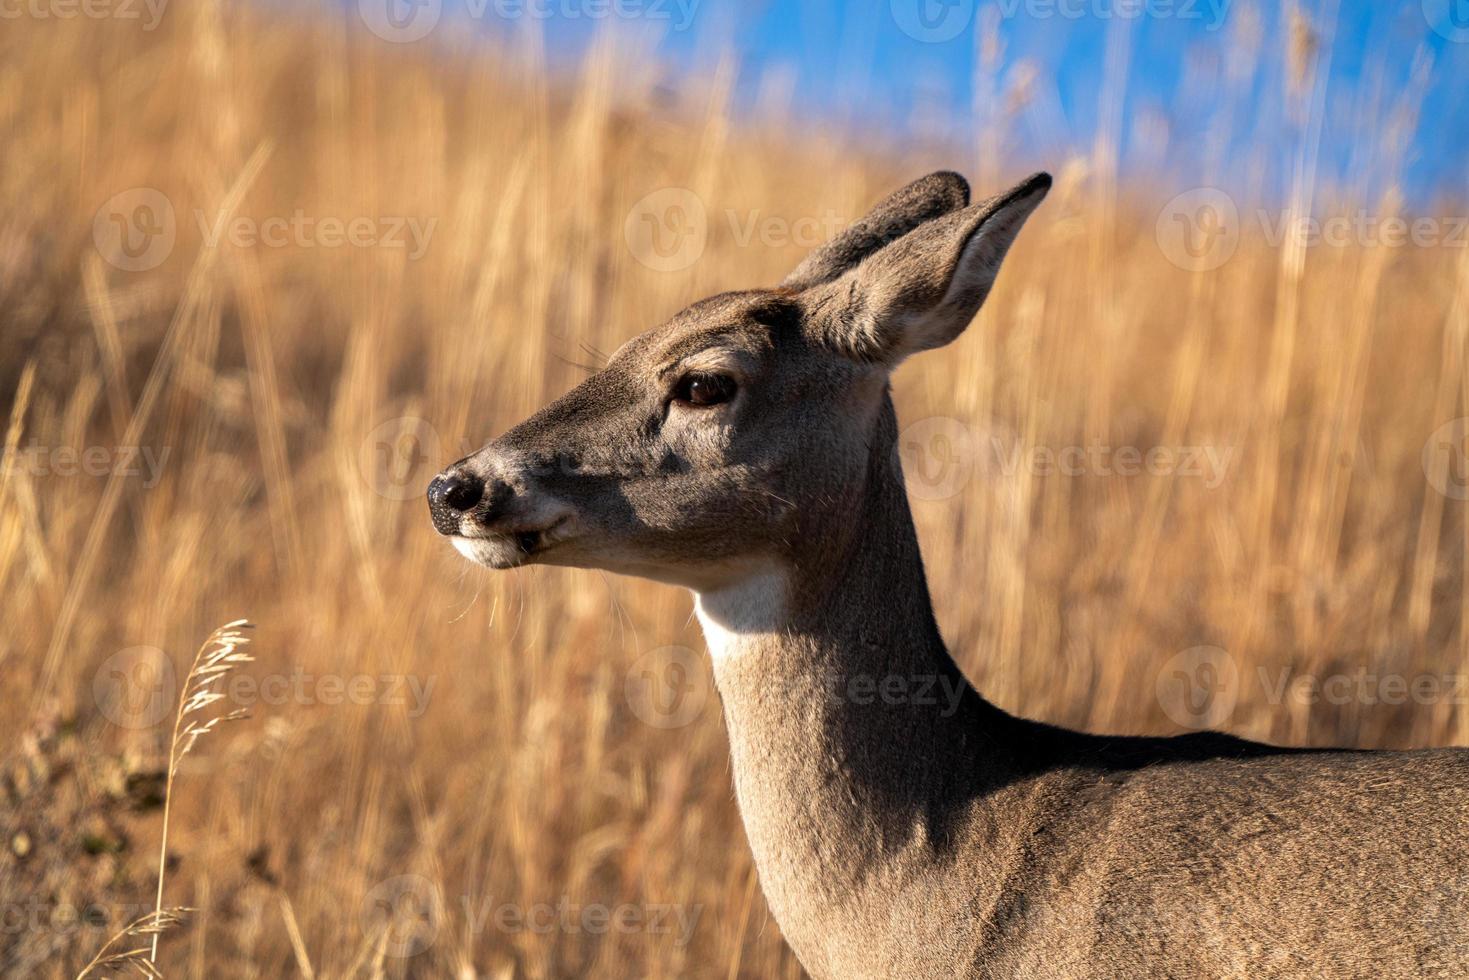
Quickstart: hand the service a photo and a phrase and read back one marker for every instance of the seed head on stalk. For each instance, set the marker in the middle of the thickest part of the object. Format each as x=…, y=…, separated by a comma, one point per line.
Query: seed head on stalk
x=220, y=654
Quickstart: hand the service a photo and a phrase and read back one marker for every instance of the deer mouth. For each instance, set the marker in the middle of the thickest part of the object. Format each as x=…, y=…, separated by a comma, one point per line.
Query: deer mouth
x=509, y=547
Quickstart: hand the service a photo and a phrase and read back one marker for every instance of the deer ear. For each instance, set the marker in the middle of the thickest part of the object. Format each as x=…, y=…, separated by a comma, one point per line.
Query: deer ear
x=922, y=290
x=896, y=215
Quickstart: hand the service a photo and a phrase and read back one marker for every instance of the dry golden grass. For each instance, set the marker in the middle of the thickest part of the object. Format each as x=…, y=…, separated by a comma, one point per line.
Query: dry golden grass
x=522, y=772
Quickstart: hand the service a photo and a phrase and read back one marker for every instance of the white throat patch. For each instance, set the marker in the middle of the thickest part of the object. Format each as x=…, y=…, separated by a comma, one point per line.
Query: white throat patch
x=734, y=615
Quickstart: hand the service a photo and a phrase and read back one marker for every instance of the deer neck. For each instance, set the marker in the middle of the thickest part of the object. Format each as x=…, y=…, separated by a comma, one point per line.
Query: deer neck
x=851, y=728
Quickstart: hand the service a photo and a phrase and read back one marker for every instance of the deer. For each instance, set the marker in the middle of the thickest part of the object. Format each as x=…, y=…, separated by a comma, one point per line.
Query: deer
x=746, y=450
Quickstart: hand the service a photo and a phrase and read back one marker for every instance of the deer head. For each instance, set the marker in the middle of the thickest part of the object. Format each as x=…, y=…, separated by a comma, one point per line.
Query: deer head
x=743, y=428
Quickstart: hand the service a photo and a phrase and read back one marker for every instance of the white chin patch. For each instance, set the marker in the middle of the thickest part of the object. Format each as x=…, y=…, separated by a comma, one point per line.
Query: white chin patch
x=490, y=552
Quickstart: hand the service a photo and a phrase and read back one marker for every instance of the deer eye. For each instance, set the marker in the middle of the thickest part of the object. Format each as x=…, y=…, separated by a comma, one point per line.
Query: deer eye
x=704, y=390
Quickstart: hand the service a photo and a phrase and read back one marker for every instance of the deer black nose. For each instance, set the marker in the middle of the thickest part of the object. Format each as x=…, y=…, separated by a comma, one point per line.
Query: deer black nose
x=450, y=496
x=460, y=492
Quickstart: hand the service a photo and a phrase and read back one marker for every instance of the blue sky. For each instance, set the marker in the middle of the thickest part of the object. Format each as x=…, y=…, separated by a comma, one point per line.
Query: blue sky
x=893, y=68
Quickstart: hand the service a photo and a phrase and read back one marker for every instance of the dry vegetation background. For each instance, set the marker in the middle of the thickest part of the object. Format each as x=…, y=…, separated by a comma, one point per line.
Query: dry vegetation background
x=528, y=772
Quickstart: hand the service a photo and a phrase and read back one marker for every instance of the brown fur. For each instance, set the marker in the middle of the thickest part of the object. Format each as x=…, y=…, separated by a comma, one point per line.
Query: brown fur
x=925, y=832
